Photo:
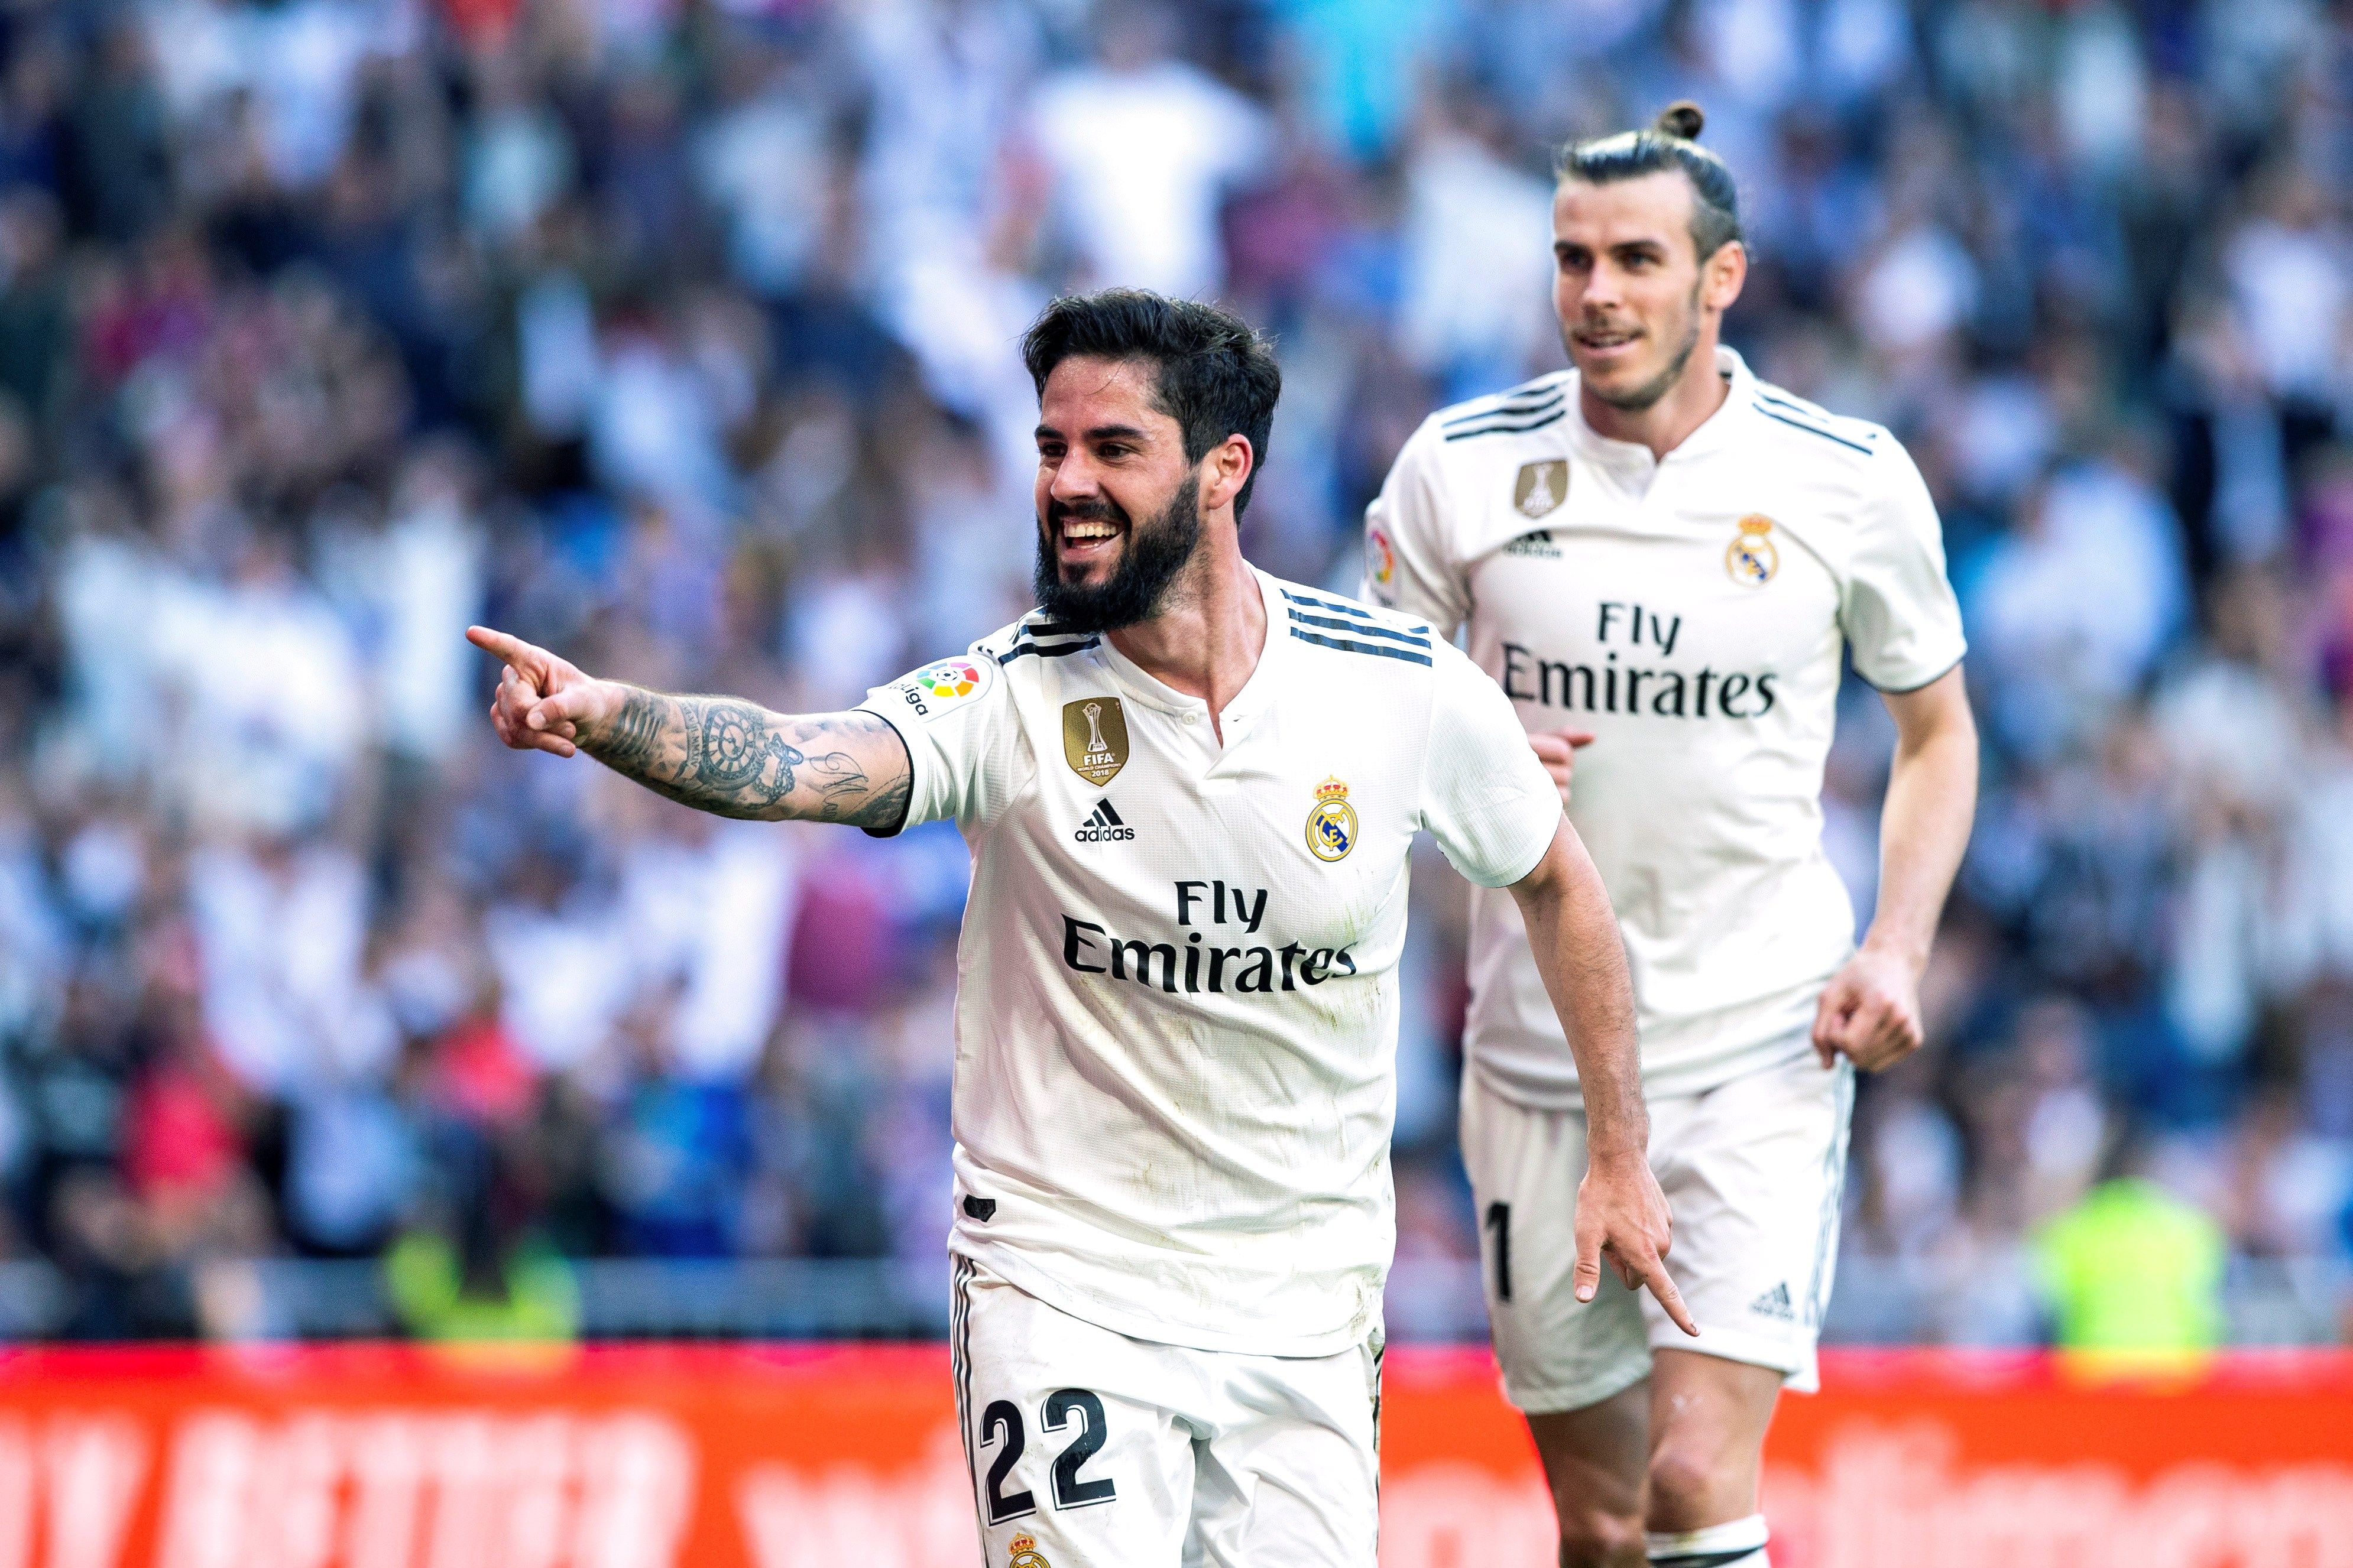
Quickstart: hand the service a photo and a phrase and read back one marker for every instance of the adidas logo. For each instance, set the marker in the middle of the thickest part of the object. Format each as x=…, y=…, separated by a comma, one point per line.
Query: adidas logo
x=1102, y=826
x=1775, y=1303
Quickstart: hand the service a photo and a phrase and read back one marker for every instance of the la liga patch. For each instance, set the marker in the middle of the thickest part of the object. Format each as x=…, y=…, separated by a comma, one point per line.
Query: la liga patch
x=948, y=683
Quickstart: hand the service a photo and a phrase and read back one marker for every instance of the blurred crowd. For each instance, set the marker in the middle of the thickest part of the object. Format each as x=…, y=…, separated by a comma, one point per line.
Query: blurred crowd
x=679, y=335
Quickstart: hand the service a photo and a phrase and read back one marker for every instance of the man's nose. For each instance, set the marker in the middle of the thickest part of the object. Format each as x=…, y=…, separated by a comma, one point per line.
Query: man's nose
x=1075, y=478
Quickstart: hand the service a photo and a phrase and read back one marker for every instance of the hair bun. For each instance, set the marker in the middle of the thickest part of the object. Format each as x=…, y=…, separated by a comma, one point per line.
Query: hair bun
x=1682, y=118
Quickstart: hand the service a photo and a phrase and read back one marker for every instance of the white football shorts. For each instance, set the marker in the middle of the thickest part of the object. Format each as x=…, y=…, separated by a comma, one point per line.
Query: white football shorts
x=1753, y=1170
x=1090, y=1449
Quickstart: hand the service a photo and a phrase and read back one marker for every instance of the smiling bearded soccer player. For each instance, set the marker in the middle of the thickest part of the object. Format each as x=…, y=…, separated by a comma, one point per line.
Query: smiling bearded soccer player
x=1189, y=789
x=1659, y=556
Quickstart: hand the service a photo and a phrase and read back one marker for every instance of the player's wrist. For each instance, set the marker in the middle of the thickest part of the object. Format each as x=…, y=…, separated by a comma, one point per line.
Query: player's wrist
x=1899, y=947
x=1617, y=1146
x=605, y=701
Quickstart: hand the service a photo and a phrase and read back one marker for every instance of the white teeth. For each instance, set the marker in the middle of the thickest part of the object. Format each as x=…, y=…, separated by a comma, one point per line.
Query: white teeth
x=1076, y=529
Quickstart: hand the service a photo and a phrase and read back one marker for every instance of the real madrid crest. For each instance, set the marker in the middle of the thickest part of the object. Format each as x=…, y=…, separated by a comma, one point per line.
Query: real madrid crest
x=1332, y=825
x=1025, y=1554
x=1541, y=486
x=1750, y=559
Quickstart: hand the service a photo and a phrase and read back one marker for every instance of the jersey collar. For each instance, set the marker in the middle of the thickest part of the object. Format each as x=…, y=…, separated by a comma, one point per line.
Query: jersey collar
x=1256, y=692
x=1713, y=433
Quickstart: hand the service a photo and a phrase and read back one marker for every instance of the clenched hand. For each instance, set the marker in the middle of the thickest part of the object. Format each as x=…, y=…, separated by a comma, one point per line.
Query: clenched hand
x=1557, y=752
x=1869, y=1013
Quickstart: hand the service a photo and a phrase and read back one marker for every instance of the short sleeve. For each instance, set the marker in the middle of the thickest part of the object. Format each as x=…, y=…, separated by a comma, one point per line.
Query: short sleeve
x=1896, y=606
x=957, y=719
x=1486, y=797
x=1407, y=562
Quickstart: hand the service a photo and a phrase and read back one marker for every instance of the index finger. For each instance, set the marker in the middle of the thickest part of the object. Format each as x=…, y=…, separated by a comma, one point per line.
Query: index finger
x=1654, y=1275
x=1578, y=737
x=505, y=645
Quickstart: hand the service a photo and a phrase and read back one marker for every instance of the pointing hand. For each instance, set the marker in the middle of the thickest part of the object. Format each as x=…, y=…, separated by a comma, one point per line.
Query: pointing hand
x=1621, y=1216
x=543, y=702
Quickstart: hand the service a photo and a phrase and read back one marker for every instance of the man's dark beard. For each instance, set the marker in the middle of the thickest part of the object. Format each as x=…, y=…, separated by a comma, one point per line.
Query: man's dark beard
x=1147, y=564
x=1658, y=386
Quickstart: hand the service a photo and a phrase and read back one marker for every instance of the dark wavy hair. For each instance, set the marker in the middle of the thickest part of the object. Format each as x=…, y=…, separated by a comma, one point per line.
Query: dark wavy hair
x=1671, y=144
x=1217, y=376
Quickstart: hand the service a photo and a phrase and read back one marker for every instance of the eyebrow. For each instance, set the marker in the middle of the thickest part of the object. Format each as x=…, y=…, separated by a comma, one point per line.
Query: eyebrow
x=1646, y=242
x=1101, y=432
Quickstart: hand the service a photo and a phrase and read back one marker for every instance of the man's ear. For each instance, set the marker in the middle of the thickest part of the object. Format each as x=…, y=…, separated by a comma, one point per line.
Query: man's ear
x=1228, y=467
x=1723, y=274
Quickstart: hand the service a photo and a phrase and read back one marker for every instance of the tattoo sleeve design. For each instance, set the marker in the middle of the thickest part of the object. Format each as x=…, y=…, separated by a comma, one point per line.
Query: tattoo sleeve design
x=736, y=759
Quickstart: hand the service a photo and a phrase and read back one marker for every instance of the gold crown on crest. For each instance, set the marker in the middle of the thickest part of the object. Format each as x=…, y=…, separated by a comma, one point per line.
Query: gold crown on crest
x=1330, y=789
x=1023, y=1543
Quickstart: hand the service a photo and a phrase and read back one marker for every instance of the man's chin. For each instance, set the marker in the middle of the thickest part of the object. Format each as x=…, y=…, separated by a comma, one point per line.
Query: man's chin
x=1085, y=576
x=1625, y=392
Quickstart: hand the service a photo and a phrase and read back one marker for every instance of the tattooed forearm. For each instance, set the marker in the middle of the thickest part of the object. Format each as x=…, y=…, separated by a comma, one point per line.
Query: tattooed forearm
x=736, y=759
x=838, y=781
x=634, y=734
x=885, y=810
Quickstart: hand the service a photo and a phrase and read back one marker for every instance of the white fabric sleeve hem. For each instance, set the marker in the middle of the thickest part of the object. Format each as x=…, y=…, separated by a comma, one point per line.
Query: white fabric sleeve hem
x=1486, y=797
x=915, y=780
x=1901, y=621
x=1533, y=862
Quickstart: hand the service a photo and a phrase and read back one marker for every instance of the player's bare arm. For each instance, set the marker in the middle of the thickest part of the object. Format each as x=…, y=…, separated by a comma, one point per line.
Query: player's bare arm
x=1871, y=1011
x=1621, y=1212
x=718, y=754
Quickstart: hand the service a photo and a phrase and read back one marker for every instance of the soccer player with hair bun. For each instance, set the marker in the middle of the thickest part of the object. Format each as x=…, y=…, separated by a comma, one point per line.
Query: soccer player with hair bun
x=1665, y=563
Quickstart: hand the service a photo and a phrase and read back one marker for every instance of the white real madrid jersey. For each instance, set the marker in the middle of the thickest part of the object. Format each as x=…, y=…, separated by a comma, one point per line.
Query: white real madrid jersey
x=1692, y=611
x=1177, y=1009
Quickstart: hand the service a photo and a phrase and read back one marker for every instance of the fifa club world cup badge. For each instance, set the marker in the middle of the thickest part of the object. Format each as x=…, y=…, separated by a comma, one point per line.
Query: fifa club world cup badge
x=1750, y=559
x=1094, y=738
x=1025, y=1554
x=1332, y=825
x=1541, y=486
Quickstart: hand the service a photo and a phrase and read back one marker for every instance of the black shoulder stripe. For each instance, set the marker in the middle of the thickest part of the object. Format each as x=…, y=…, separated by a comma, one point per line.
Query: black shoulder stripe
x=1043, y=651
x=1336, y=607
x=1705, y=1559
x=1341, y=607
x=1507, y=405
x=1543, y=385
x=1359, y=628
x=1505, y=428
x=1798, y=406
x=1408, y=655
x=1771, y=413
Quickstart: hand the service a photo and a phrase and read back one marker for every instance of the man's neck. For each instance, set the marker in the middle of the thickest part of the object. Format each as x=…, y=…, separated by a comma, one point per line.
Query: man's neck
x=1208, y=638
x=1665, y=424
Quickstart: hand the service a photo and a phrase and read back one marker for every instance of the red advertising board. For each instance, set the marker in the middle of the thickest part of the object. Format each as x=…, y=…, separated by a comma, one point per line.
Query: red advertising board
x=366, y=1457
